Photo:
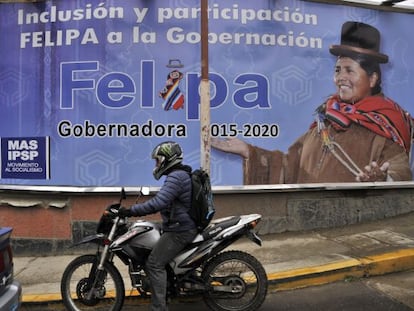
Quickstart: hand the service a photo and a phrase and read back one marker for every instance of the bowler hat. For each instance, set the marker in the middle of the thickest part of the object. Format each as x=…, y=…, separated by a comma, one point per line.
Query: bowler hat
x=359, y=38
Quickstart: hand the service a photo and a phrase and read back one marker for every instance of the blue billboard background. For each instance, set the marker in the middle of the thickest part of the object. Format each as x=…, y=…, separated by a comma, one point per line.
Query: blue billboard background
x=88, y=75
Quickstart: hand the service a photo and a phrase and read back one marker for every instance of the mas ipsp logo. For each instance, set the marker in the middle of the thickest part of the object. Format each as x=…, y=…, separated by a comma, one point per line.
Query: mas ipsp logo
x=25, y=157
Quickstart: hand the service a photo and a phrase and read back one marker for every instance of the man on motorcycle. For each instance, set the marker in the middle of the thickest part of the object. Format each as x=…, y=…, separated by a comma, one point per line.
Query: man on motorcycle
x=173, y=201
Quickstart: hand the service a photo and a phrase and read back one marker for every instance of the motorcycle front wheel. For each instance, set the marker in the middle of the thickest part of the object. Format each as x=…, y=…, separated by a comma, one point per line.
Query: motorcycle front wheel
x=235, y=281
x=85, y=288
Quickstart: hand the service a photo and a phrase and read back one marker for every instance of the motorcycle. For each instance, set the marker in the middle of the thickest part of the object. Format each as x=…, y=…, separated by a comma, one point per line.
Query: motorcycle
x=226, y=280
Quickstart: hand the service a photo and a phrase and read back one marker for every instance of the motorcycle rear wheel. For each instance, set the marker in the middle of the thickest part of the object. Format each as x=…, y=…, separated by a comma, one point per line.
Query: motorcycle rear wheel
x=76, y=284
x=236, y=281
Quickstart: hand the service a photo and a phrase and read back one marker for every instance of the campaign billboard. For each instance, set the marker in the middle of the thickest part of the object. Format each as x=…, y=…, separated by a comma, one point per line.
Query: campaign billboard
x=89, y=88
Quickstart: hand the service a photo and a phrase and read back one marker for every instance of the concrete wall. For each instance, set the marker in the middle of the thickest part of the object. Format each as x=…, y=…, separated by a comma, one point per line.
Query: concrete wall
x=48, y=222
x=306, y=210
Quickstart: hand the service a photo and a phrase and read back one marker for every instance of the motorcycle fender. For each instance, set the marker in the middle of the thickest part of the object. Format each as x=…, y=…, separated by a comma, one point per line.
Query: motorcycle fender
x=254, y=237
x=96, y=238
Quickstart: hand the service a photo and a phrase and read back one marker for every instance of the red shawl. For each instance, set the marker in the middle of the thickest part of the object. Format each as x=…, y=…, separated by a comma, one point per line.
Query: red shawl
x=376, y=113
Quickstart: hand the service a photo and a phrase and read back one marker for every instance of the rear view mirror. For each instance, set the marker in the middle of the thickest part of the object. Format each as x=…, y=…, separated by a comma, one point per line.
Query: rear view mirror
x=123, y=194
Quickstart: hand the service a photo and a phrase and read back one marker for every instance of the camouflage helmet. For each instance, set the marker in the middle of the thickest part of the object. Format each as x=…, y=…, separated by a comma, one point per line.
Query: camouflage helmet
x=166, y=155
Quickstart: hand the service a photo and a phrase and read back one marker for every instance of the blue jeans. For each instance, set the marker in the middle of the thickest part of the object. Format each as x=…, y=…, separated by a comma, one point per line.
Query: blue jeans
x=169, y=245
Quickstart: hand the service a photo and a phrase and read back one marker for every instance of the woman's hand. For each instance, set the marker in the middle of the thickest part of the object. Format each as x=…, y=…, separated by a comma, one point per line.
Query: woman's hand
x=231, y=145
x=374, y=172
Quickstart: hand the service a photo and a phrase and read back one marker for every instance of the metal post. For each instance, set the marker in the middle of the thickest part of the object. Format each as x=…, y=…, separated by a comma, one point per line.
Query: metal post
x=204, y=92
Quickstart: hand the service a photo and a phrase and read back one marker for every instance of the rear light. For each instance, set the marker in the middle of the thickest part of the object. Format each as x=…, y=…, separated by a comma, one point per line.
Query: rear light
x=9, y=250
x=253, y=224
x=2, y=265
x=6, y=258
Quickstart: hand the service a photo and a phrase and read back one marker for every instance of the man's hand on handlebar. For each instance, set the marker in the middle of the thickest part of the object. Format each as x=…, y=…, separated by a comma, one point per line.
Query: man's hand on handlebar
x=124, y=212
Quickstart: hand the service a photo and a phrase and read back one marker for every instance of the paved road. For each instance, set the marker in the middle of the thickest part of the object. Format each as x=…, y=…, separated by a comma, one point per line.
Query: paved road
x=394, y=292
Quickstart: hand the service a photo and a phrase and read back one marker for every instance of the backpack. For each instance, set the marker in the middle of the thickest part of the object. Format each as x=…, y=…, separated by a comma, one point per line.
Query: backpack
x=202, y=207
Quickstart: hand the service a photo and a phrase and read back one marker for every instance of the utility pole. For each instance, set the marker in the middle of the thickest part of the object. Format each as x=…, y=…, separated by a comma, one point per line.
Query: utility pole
x=204, y=92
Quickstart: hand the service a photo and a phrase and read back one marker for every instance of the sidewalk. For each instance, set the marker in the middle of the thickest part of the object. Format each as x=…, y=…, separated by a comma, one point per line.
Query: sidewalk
x=292, y=260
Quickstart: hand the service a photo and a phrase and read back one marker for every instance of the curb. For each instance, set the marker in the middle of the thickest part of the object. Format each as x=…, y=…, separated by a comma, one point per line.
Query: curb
x=396, y=261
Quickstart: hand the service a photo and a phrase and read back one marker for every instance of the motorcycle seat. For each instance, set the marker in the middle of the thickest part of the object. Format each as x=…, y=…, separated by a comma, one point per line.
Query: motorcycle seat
x=218, y=225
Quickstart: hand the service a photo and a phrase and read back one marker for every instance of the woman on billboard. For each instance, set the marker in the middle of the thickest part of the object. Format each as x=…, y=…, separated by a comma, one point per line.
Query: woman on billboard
x=359, y=134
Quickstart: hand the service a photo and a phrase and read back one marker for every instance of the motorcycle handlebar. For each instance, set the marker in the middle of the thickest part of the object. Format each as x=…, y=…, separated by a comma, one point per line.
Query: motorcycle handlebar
x=112, y=209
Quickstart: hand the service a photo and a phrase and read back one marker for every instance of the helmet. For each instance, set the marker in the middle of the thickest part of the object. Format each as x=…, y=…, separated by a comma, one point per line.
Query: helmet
x=166, y=155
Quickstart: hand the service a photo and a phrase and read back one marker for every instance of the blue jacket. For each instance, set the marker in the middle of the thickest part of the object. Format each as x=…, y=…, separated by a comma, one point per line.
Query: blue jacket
x=173, y=201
